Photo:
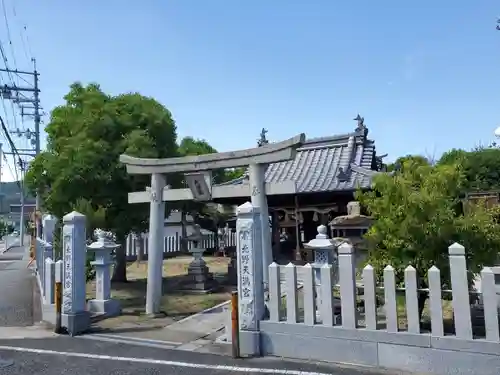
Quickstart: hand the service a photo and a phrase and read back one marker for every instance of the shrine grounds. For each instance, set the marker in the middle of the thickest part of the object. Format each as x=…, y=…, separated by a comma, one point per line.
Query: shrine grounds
x=177, y=303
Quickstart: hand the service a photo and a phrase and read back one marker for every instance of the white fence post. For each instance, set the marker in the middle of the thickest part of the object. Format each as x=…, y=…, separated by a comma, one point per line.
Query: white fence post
x=309, y=298
x=49, y=281
x=370, y=297
x=411, y=295
x=436, y=306
x=327, y=307
x=347, y=278
x=488, y=288
x=390, y=306
x=460, y=291
x=274, y=293
x=291, y=293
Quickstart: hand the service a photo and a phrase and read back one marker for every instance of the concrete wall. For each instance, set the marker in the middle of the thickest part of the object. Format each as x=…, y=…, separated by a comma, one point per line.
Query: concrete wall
x=421, y=353
x=318, y=325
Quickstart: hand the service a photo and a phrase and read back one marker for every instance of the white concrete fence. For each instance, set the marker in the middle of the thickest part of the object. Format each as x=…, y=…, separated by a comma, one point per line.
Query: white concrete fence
x=318, y=305
x=172, y=245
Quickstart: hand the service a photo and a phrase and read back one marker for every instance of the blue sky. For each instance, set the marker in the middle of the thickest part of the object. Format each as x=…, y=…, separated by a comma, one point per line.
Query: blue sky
x=424, y=74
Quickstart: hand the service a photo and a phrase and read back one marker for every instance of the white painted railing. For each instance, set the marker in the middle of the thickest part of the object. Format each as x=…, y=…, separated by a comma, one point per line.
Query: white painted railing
x=309, y=310
x=171, y=244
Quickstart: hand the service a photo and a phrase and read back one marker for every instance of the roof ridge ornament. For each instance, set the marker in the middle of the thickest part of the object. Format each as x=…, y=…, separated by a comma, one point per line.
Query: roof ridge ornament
x=262, y=138
x=343, y=175
x=361, y=127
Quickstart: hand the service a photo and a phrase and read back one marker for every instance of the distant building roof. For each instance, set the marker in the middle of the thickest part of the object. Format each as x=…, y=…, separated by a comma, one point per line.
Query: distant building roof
x=336, y=163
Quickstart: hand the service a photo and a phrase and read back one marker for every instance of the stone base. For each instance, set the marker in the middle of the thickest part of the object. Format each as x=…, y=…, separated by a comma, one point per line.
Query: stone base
x=206, y=288
x=232, y=272
x=250, y=343
x=199, y=279
x=77, y=323
x=108, y=308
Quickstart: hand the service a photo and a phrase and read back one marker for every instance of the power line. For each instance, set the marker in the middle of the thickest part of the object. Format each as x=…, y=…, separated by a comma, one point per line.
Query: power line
x=24, y=40
x=9, y=34
x=12, y=145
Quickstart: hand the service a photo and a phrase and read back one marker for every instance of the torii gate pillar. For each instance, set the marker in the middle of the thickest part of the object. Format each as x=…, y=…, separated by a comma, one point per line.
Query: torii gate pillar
x=155, y=258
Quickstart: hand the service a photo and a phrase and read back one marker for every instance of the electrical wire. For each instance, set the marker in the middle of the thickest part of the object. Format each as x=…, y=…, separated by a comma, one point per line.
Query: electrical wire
x=13, y=148
x=24, y=40
x=12, y=76
x=7, y=27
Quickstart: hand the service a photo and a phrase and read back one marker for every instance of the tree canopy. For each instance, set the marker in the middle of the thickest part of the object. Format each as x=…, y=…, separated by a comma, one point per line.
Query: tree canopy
x=481, y=167
x=80, y=169
x=418, y=215
x=85, y=136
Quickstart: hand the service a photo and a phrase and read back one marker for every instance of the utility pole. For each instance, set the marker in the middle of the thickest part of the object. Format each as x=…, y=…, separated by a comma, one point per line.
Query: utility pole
x=21, y=219
x=22, y=167
x=15, y=93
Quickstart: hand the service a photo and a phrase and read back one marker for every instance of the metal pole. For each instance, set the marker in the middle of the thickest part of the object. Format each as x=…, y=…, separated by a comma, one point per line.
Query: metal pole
x=58, y=298
x=235, y=334
x=1, y=196
x=21, y=220
x=38, y=219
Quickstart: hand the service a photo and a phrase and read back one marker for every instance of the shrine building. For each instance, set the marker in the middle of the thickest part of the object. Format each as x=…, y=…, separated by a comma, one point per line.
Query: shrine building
x=326, y=172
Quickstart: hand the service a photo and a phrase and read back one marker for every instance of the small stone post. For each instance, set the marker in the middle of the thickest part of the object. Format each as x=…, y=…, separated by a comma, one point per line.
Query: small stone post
x=49, y=225
x=250, y=279
x=49, y=281
x=460, y=291
x=48, y=250
x=74, y=315
x=102, y=248
x=324, y=253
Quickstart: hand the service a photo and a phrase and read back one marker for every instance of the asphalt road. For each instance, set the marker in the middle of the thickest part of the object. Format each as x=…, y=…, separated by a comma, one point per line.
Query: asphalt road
x=16, y=290
x=79, y=356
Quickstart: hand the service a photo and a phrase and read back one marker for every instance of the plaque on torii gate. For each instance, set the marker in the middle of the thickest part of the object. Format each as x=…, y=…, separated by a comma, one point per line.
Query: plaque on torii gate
x=201, y=189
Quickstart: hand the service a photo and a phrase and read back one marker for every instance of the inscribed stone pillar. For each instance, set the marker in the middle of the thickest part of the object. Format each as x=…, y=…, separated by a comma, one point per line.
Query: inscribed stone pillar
x=250, y=281
x=74, y=315
x=155, y=251
x=259, y=199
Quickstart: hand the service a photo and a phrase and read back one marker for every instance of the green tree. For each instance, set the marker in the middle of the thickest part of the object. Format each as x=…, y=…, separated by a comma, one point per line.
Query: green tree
x=85, y=137
x=417, y=216
x=481, y=167
x=415, y=160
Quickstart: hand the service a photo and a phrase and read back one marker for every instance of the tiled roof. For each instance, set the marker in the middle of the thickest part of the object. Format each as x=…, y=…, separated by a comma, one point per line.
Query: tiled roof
x=342, y=162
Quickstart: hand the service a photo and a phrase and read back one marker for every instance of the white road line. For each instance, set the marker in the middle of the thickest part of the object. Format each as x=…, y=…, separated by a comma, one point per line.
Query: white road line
x=129, y=338
x=162, y=362
x=129, y=342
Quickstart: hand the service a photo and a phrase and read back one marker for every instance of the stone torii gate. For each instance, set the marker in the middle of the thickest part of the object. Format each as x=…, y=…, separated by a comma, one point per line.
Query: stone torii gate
x=256, y=158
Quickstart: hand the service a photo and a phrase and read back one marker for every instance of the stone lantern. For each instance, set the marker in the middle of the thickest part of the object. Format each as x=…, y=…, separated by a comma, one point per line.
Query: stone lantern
x=102, y=248
x=199, y=277
x=324, y=253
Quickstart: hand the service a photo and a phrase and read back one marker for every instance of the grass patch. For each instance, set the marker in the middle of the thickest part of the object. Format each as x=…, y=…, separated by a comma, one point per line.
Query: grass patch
x=175, y=303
